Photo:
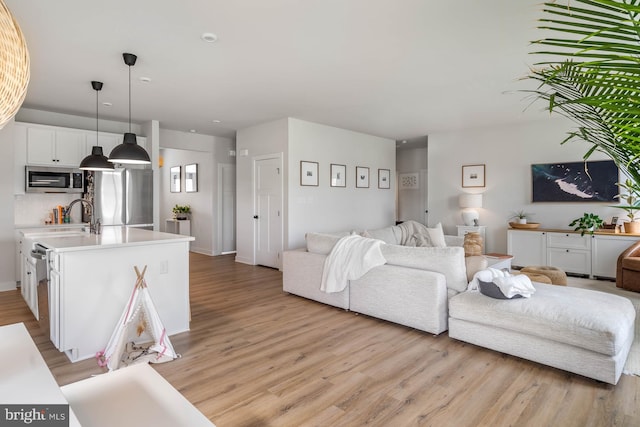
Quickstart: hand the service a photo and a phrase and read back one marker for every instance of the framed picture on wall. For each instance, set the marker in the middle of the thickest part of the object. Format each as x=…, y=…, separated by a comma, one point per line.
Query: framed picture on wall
x=191, y=178
x=409, y=181
x=384, y=178
x=473, y=176
x=592, y=181
x=338, y=175
x=308, y=173
x=174, y=179
x=362, y=177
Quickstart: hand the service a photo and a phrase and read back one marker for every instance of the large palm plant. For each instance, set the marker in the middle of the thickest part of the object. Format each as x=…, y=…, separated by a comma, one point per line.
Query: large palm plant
x=596, y=79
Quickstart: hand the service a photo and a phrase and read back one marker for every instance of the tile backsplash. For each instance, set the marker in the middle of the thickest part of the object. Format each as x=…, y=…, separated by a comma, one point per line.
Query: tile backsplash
x=34, y=209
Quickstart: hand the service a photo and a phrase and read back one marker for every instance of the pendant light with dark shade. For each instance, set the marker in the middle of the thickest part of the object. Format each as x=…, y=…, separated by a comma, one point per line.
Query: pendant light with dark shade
x=96, y=161
x=129, y=151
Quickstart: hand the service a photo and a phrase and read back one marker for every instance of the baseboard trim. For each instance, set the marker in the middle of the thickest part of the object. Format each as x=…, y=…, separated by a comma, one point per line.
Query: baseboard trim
x=8, y=286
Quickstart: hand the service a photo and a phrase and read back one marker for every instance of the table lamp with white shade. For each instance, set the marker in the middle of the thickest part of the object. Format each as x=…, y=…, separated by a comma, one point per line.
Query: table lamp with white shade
x=469, y=203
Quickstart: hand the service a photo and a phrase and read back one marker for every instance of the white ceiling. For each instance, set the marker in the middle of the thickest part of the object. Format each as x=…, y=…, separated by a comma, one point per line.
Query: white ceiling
x=393, y=68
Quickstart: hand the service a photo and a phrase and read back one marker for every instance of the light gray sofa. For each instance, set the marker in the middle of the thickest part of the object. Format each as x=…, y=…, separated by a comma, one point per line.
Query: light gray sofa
x=411, y=289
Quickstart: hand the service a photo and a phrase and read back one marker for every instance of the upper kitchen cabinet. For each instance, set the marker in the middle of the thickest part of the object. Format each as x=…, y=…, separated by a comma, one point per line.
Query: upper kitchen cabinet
x=107, y=141
x=55, y=147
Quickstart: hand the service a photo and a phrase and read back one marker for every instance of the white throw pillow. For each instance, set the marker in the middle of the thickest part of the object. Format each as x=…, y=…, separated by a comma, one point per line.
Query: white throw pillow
x=432, y=237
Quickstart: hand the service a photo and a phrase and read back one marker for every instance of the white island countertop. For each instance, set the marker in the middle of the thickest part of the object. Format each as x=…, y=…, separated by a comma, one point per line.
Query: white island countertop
x=111, y=236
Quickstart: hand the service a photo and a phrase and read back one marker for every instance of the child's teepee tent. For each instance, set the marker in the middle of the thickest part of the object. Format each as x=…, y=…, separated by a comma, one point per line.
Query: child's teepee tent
x=139, y=336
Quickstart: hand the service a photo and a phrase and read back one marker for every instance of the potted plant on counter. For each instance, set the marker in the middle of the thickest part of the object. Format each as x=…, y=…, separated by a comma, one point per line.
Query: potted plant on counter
x=587, y=223
x=632, y=200
x=181, y=212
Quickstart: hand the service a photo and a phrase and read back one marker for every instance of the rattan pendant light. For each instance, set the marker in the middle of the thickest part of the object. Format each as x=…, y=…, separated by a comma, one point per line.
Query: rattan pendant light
x=14, y=66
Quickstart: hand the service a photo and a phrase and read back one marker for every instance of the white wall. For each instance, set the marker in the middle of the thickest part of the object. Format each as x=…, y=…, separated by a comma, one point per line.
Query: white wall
x=180, y=149
x=7, y=234
x=328, y=209
x=29, y=115
x=508, y=153
x=321, y=208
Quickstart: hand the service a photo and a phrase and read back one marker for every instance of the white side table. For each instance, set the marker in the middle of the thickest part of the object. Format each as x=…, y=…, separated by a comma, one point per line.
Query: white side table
x=499, y=261
x=179, y=226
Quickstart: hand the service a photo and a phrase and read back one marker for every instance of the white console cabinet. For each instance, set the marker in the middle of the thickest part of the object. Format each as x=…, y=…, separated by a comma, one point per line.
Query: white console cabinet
x=593, y=256
x=570, y=252
x=605, y=251
x=527, y=247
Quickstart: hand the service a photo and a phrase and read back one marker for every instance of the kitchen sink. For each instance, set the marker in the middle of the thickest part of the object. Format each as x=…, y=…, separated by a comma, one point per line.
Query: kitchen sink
x=56, y=232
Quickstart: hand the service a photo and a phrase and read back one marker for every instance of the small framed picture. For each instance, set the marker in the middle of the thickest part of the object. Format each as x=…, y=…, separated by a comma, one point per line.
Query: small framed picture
x=362, y=177
x=174, y=179
x=191, y=178
x=338, y=175
x=308, y=173
x=614, y=220
x=473, y=176
x=384, y=178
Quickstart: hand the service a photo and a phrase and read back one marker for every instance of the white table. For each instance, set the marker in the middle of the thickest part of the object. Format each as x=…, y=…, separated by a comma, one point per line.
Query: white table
x=24, y=376
x=499, y=261
x=133, y=396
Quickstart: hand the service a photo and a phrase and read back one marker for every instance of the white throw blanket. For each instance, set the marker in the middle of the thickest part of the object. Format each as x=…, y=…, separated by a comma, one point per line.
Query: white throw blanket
x=509, y=284
x=350, y=259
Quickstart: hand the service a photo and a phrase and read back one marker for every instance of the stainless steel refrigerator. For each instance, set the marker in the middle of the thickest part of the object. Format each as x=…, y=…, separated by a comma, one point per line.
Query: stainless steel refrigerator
x=124, y=197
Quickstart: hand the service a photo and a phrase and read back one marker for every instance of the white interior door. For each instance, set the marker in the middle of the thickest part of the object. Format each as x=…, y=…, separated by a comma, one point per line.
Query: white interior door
x=268, y=211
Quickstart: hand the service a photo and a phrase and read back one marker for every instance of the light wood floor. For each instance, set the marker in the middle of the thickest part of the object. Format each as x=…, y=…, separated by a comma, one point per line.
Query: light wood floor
x=258, y=357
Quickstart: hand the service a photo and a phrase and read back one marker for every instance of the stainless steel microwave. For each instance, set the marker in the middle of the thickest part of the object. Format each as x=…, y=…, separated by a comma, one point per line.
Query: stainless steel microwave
x=42, y=179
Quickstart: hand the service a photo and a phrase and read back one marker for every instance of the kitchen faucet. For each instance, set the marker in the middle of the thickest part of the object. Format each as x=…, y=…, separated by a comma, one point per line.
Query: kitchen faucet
x=94, y=225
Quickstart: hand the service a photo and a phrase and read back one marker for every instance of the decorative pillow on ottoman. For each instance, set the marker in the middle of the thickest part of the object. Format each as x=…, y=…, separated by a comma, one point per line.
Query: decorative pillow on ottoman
x=490, y=289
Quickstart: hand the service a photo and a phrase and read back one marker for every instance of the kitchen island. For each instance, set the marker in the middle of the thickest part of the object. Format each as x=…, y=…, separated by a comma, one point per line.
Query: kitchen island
x=91, y=278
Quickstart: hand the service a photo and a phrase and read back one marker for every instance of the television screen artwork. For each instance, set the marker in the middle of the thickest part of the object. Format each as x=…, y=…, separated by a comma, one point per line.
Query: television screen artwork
x=575, y=182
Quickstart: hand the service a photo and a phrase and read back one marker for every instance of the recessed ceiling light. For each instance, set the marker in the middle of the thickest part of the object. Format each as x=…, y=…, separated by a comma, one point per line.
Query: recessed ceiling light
x=107, y=104
x=192, y=130
x=215, y=121
x=404, y=141
x=209, y=37
x=145, y=79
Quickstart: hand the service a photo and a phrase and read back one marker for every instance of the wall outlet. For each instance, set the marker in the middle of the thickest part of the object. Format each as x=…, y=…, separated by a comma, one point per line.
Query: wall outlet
x=164, y=267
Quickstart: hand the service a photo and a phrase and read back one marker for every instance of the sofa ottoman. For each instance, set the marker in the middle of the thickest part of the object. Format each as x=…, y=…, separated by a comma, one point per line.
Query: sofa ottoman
x=581, y=331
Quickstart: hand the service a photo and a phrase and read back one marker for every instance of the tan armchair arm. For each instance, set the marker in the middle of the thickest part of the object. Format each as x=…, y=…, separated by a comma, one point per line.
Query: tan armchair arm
x=631, y=251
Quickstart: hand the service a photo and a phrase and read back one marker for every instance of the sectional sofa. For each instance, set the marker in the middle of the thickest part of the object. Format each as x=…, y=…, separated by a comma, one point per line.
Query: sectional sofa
x=412, y=288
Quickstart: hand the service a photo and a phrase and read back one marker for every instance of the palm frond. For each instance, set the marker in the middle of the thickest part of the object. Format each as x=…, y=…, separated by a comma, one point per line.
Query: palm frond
x=596, y=80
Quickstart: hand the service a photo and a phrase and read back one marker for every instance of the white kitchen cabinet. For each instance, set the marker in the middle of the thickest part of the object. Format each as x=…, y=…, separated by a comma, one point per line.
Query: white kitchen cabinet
x=527, y=247
x=29, y=284
x=107, y=141
x=54, y=307
x=54, y=147
x=605, y=251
